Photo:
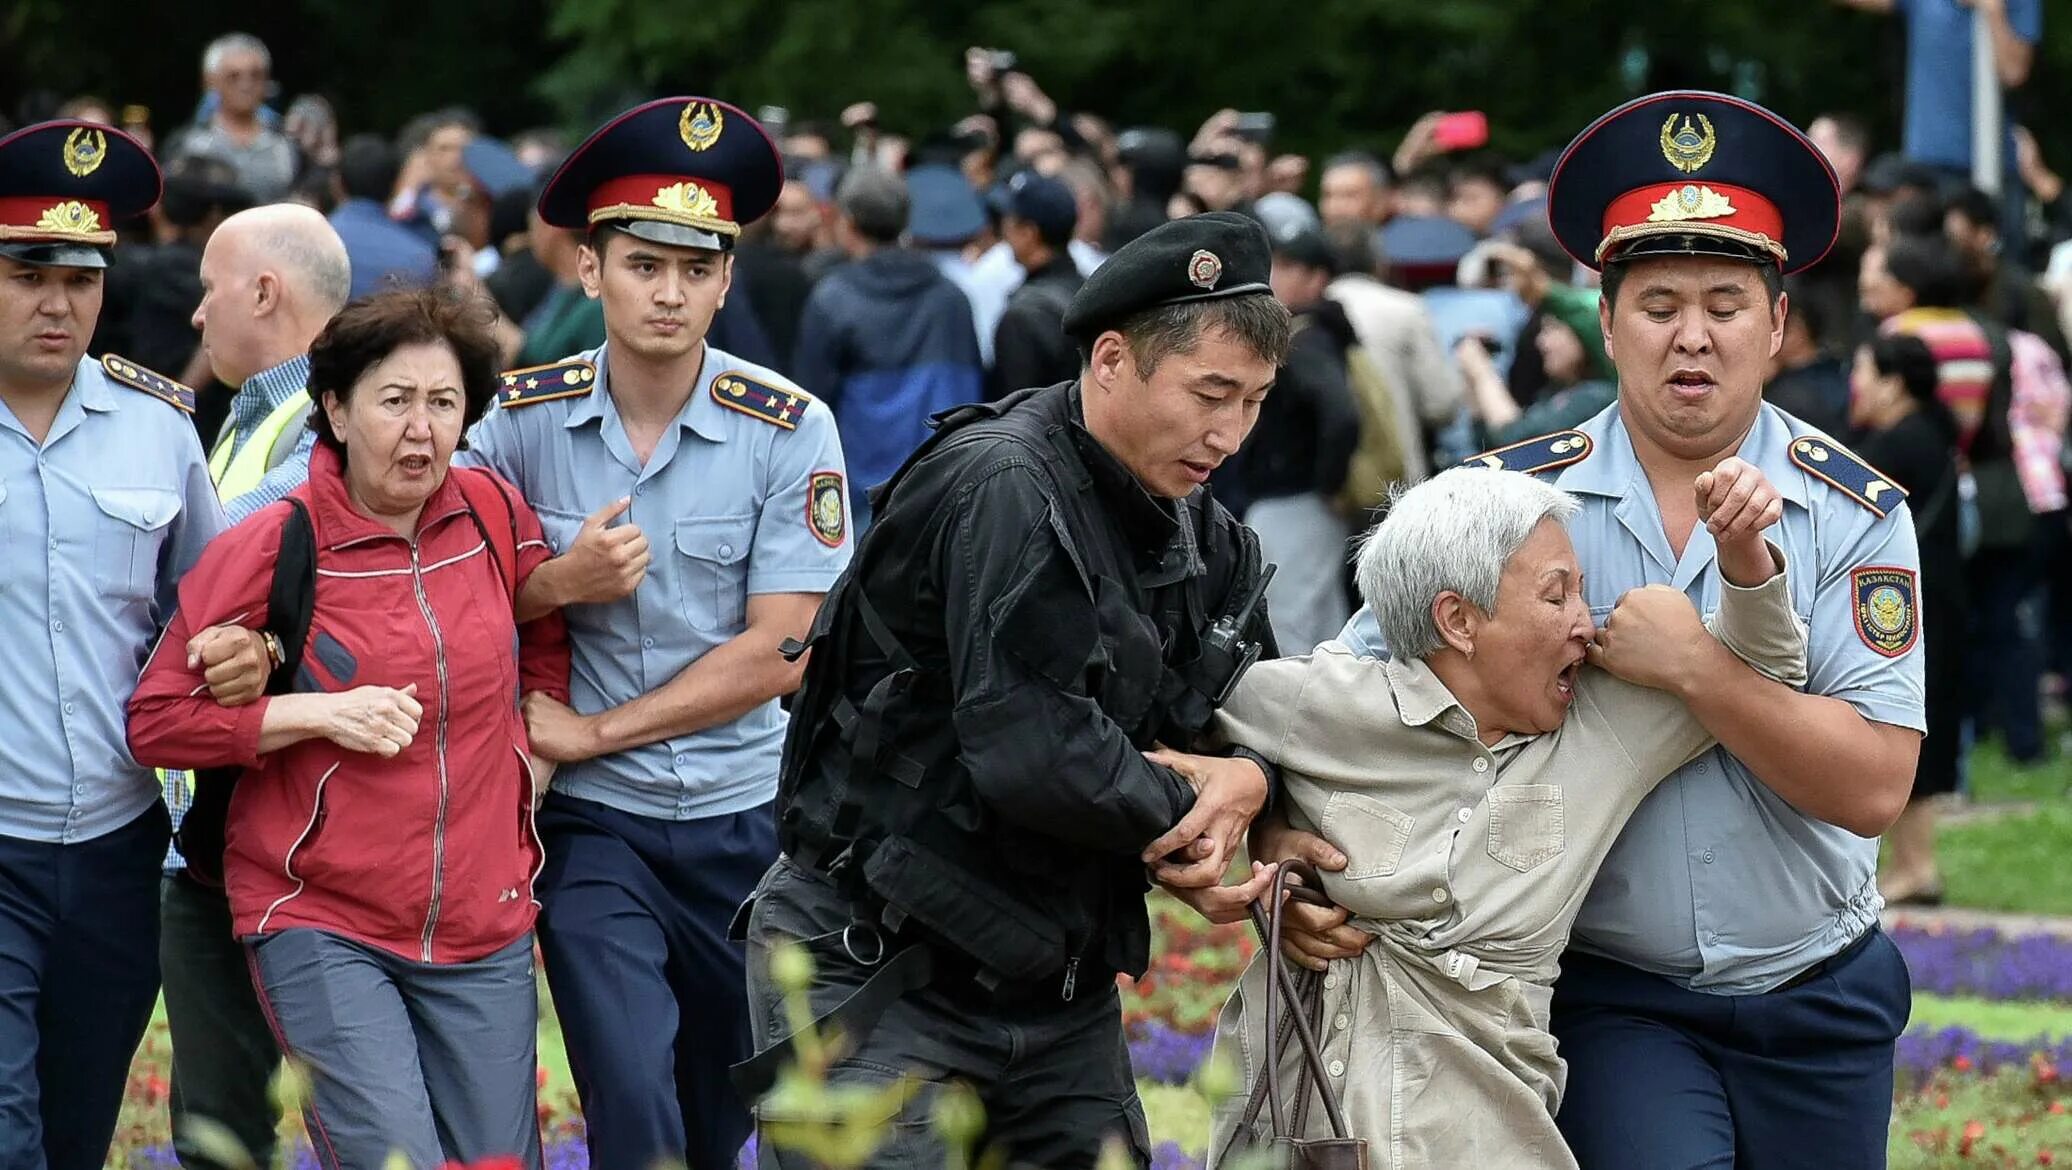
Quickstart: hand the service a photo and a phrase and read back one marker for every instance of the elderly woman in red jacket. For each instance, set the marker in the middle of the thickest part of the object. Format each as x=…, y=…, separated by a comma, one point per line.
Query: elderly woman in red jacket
x=380, y=850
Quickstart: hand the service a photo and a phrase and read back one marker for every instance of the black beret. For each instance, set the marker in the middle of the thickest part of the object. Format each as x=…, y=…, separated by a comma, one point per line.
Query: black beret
x=1200, y=258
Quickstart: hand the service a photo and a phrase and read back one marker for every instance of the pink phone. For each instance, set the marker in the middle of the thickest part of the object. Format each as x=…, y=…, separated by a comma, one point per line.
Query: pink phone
x=1463, y=131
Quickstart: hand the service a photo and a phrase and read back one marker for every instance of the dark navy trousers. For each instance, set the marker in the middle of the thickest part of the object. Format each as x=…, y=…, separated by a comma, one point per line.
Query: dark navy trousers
x=651, y=995
x=1664, y=1078
x=78, y=975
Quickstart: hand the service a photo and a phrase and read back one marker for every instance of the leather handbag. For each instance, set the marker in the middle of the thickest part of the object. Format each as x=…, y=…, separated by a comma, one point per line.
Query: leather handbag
x=1294, y=1009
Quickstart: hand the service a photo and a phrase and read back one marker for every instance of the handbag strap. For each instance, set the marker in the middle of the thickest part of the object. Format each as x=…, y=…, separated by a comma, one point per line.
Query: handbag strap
x=1283, y=992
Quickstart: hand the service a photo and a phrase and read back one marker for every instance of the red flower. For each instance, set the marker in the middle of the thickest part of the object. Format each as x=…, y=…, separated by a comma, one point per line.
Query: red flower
x=2057, y=1107
x=2044, y=1158
x=1961, y=1064
x=543, y=1076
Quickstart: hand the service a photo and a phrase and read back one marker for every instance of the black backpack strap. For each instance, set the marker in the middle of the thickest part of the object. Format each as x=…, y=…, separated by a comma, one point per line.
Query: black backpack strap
x=290, y=606
x=291, y=601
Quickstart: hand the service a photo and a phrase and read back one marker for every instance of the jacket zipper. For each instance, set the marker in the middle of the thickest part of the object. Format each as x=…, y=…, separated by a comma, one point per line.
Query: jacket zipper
x=424, y=606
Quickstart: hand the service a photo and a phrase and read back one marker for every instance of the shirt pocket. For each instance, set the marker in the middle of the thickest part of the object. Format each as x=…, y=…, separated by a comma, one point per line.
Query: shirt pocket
x=1371, y=834
x=129, y=529
x=1526, y=825
x=712, y=569
x=560, y=527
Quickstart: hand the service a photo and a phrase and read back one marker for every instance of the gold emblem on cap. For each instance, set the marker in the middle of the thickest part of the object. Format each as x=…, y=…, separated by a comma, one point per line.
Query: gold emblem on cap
x=1204, y=269
x=84, y=150
x=688, y=198
x=700, y=125
x=1690, y=202
x=1686, y=147
x=72, y=218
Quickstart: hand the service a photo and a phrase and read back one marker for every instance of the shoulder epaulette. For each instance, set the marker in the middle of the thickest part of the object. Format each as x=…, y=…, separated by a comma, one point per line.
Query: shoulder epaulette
x=781, y=406
x=1837, y=466
x=151, y=382
x=565, y=379
x=1544, y=453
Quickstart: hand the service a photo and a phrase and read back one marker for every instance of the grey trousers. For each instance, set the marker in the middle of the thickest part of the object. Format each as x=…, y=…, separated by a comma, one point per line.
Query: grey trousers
x=223, y=1053
x=1306, y=599
x=1054, y=1076
x=436, y=1062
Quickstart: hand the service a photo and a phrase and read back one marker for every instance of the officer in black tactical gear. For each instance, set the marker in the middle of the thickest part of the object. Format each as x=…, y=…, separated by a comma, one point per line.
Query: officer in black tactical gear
x=988, y=749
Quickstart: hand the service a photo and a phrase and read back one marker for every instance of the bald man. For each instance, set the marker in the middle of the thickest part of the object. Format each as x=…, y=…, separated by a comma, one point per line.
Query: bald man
x=271, y=278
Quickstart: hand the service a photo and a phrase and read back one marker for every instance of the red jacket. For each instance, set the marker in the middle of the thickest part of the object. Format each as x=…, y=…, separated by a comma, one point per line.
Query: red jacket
x=430, y=854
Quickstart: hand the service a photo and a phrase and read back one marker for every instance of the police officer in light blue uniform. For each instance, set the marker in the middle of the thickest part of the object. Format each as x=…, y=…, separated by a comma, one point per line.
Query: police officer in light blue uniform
x=104, y=501
x=1728, y=998
x=718, y=486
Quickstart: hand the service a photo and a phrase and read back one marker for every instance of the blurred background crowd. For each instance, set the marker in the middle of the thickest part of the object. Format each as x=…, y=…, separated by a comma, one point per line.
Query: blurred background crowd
x=914, y=262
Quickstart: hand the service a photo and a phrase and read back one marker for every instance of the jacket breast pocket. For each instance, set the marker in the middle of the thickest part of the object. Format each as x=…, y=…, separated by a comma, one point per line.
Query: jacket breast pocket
x=1135, y=662
x=129, y=528
x=1371, y=834
x=1526, y=825
x=712, y=569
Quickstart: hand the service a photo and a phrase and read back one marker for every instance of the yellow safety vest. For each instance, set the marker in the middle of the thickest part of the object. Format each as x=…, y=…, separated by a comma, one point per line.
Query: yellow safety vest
x=234, y=476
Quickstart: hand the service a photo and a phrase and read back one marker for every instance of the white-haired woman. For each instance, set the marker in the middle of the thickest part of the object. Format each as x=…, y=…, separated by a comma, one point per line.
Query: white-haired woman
x=1474, y=781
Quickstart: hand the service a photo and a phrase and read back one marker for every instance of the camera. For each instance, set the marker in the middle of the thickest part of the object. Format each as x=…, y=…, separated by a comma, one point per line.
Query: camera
x=1002, y=60
x=1254, y=127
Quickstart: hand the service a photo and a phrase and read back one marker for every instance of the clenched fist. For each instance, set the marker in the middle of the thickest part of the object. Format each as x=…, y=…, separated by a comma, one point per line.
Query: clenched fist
x=380, y=721
x=1653, y=638
x=1737, y=502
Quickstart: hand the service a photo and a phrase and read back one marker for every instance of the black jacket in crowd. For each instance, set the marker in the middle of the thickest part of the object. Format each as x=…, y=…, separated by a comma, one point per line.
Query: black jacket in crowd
x=1021, y=623
x=1309, y=425
x=1029, y=345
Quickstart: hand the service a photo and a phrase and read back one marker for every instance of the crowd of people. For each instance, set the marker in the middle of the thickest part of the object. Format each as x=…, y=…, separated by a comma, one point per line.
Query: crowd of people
x=520, y=468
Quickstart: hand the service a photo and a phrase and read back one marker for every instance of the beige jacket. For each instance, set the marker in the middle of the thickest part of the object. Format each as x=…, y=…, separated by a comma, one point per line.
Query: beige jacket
x=1468, y=865
x=1394, y=328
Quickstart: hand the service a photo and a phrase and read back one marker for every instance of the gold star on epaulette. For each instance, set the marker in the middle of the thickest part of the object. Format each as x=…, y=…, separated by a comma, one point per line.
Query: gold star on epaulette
x=1544, y=453
x=157, y=385
x=1831, y=463
x=777, y=405
x=566, y=379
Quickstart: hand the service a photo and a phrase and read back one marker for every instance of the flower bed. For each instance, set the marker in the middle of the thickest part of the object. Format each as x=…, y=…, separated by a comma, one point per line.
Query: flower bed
x=1961, y=1095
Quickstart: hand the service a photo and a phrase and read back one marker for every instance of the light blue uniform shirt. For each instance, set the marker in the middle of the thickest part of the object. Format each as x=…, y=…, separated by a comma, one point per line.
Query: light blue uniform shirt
x=724, y=501
x=96, y=526
x=1717, y=882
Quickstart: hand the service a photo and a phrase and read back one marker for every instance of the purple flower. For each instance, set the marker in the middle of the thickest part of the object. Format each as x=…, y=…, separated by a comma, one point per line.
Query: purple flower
x=1169, y=1156
x=1163, y=1054
x=1985, y=963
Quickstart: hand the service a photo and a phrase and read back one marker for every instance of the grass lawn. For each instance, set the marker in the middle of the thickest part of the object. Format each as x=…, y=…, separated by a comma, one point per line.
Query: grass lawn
x=1993, y=1020
x=2015, y=864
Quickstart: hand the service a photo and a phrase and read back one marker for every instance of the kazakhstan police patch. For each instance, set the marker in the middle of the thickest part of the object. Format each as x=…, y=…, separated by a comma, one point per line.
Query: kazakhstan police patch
x=1887, y=618
x=827, y=512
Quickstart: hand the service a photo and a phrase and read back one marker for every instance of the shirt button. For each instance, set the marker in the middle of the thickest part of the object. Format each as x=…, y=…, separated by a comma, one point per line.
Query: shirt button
x=1342, y=1022
x=682, y=759
x=1712, y=938
x=1481, y=764
x=53, y=544
x=57, y=627
x=726, y=550
x=647, y=643
x=79, y=791
x=1439, y=894
x=1331, y=981
x=1708, y=857
x=1701, y=767
x=1465, y=815
x=68, y=708
x=1337, y=1068
x=641, y=490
